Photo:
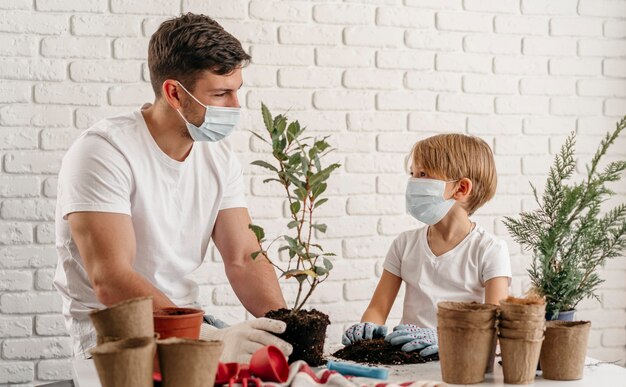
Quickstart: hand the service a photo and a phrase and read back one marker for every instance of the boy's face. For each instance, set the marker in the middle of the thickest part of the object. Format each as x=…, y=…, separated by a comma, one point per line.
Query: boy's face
x=417, y=171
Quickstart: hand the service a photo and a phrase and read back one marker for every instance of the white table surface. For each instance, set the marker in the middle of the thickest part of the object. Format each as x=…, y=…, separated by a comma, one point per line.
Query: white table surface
x=602, y=375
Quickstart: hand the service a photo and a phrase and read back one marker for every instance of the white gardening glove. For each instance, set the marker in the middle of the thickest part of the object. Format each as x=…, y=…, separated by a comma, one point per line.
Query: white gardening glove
x=243, y=339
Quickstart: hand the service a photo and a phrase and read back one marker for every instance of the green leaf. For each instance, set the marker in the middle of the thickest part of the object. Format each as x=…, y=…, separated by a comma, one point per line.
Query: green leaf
x=280, y=123
x=264, y=164
x=320, y=202
x=267, y=118
x=322, y=145
x=295, y=273
x=293, y=224
x=320, y=270
x=260, y=137
x=318, y=189
x=256, y=254
x=258, y=231
x=320, y=226
x=295, y=207
x=316, y=246
x=328, y=264
x=292, y=131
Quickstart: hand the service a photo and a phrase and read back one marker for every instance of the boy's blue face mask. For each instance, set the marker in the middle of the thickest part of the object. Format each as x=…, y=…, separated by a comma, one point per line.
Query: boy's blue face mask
x=425, y=200
x=218, y=123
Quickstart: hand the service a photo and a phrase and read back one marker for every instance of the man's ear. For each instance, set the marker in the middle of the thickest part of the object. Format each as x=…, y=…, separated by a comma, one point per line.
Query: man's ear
x=170, y=91
x=463, y=189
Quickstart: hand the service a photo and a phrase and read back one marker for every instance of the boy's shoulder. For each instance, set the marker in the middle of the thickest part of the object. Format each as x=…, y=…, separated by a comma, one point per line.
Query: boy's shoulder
x=410, y=236
x=485, y=241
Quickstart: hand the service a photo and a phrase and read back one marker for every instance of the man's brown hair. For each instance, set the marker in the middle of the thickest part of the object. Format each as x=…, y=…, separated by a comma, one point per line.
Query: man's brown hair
x=455, y=156
x=186, y=46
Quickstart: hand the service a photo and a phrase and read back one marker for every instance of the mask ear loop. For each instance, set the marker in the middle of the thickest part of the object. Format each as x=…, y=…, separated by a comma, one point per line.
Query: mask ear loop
x=191, y=95
x=194, y=98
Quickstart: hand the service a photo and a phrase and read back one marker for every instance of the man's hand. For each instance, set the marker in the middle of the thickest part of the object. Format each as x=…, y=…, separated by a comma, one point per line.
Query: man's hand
x=363, y=331
x=243, y=339
x=413, y=338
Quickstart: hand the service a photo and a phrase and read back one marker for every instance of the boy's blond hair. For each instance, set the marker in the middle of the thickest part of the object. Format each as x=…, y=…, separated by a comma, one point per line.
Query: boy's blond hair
x=455, y=156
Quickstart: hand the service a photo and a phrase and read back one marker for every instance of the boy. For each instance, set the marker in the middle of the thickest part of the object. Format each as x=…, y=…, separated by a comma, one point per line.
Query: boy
x=449, y=259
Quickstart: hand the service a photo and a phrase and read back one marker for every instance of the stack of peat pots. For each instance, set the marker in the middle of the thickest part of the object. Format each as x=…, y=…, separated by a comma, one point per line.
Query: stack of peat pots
x=467, y=340
x=127, y=342
x=521, y=332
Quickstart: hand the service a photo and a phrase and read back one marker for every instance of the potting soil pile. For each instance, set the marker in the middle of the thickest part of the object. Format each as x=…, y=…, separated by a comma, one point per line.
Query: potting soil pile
x=378, y=351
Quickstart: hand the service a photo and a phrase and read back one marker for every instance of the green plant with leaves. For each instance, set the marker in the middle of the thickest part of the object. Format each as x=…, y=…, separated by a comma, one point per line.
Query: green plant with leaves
x=568, y=234
x=299, y=169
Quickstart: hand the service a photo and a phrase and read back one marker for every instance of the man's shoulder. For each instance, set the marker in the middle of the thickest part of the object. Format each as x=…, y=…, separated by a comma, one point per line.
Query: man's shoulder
x=114, y=126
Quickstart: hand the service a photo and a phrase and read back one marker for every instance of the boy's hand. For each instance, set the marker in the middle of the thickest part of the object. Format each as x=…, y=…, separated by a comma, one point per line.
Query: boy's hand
x=413, y=338
x=363, y=331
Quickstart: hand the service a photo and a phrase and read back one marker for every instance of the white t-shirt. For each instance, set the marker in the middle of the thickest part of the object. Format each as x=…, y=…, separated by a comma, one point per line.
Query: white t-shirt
x=458, y=275
x=116, y=166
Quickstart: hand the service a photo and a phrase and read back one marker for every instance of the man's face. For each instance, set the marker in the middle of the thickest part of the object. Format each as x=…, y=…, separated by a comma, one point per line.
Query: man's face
x=213, y=90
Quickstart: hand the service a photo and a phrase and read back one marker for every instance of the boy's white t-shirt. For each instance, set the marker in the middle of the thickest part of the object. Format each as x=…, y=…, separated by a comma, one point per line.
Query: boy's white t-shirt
x=116, y=166
x=458, y=275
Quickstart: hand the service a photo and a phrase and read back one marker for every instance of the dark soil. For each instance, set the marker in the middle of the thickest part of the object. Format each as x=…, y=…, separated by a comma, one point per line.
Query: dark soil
x=174, y=312
x=306, y=331
x=378, y=351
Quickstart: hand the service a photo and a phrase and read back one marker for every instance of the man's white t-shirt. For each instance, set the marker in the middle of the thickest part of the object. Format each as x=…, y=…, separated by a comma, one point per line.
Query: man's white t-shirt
x=458, y=275
x=116, y=166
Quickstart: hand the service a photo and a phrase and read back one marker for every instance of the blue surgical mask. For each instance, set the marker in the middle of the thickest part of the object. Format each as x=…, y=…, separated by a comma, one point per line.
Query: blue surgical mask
x=425, y=200
x=218, y=123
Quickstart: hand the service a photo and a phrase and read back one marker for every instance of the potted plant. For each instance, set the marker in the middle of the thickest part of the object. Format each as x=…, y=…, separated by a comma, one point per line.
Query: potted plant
x=569, y=235
x=299, y=169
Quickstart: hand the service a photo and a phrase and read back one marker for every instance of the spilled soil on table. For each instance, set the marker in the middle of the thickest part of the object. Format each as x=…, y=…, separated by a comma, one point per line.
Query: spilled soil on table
x=378, y=351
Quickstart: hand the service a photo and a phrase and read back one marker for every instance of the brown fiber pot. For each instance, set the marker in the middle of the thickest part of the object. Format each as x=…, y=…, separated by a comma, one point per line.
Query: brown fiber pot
x=464, y=354
x=188, y=362
x=126, y=319
x=126, y=362
x=564, y=349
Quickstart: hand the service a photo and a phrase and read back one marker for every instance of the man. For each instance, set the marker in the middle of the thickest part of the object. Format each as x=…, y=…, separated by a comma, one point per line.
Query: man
x=141, y=195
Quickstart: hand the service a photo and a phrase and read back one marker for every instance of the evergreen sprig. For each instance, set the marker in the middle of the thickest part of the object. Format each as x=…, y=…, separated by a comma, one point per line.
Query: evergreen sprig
x=299, y=169
x=567, y=234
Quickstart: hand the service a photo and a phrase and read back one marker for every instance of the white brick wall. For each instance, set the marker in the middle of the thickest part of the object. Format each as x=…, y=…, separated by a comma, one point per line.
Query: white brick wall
x=377, y=74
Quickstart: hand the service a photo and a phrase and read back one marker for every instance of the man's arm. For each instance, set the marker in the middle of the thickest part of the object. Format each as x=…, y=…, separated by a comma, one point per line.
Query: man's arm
x=106, y=242
x=254, y=281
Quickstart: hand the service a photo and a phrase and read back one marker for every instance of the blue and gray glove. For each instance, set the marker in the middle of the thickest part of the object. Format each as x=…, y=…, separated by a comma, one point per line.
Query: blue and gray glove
x=363, y=331
x=413, y=338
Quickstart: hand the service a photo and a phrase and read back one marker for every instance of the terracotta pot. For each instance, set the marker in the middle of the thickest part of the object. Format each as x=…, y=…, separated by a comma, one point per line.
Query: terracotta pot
x=565, y=346
x=178, y=322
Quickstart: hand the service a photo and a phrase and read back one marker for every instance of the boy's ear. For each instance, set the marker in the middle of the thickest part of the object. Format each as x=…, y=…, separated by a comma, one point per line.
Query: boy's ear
x=463, y=189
